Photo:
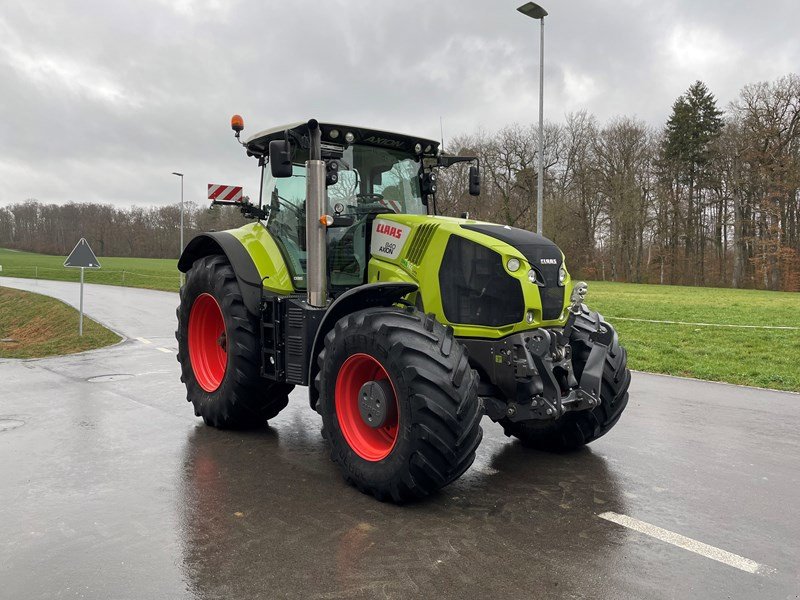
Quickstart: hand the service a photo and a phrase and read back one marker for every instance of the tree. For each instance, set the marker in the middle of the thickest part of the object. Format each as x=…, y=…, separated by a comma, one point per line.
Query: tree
x=768, y=118
x=624, y=156
x=693, y=126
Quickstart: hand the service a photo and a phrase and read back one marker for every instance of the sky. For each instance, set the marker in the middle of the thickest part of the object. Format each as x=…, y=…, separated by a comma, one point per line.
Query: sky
x=101, y=101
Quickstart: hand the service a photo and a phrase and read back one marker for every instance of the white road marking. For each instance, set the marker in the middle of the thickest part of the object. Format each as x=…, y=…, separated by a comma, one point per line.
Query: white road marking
x=681, y=541
x=144, y=341
x=167, y=350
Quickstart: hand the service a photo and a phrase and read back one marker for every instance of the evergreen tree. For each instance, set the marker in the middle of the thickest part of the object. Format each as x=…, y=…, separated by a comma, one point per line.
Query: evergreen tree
x=695, y=122
x=693, y=126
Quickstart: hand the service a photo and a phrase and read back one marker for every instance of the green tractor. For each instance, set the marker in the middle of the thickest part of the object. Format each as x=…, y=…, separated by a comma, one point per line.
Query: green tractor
x=407, y=327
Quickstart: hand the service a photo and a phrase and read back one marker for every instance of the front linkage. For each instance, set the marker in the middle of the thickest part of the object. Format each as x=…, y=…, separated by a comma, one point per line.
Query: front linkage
x=532, y=374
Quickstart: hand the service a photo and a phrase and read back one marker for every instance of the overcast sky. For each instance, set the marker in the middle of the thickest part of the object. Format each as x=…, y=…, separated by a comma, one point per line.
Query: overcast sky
x=102, y=100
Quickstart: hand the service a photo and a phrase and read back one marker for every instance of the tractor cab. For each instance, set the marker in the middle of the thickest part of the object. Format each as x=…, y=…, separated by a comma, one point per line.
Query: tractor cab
x=368, y=173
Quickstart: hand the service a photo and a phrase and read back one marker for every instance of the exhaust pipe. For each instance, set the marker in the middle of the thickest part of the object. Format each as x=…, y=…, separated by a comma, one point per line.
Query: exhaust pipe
x=316, y=247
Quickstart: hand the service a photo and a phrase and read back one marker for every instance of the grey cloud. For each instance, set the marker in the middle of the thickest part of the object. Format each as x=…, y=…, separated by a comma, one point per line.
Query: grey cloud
x=102, y=100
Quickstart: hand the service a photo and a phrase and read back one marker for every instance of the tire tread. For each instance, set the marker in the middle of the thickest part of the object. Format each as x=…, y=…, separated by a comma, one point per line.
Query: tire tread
x=244, y=400
x=445, y=411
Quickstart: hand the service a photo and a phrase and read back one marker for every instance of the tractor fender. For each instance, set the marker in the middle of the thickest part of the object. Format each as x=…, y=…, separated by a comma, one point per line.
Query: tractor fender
x=359, y=298
x=222, y=242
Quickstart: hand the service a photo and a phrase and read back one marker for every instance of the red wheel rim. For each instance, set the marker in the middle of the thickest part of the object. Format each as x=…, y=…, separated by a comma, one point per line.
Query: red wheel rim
x=372, y=444
x=206, y=338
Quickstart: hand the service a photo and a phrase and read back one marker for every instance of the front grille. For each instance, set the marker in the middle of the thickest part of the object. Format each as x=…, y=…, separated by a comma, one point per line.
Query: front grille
x=552, y=302
x=475, y=288
x=551, y=294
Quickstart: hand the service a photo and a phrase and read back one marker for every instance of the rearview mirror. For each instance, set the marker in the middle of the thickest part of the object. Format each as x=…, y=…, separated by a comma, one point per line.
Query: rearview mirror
x=474, y=181
x=280, y=158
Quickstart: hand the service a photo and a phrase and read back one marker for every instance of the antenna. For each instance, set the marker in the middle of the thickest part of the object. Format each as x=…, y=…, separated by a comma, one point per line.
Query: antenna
x=441, y=129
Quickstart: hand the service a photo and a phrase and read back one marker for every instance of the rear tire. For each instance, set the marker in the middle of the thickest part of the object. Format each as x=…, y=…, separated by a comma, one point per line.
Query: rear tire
x=576, y=429
x=428, y=434
x=218, y=348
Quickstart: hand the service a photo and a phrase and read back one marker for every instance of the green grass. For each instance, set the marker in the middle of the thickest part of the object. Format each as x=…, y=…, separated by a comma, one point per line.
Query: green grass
x=35, y=326
x=151, y=273
x=758, y=357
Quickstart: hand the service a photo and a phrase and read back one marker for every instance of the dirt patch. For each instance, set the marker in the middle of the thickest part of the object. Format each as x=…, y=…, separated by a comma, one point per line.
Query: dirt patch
x=37, y=330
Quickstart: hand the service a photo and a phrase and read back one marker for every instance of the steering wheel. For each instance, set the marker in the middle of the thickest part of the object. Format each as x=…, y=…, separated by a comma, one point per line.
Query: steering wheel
x=370, y=197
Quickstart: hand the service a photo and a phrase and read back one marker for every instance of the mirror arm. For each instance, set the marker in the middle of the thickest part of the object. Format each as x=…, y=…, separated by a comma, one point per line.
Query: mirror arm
x=449, y=161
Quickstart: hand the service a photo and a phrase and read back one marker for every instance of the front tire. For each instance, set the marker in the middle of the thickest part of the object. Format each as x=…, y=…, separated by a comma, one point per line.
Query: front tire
x=399, y=403
x=219, y=351
x=576, y=429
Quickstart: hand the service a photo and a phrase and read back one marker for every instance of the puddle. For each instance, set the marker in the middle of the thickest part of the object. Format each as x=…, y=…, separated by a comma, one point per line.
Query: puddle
x=113, y=377
x=9, y=424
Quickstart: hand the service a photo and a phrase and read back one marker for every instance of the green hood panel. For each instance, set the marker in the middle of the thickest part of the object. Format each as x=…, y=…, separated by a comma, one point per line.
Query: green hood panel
x=420, y=242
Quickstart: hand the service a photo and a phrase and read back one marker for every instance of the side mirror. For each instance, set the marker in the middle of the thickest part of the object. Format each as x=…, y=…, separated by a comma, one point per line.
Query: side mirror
x=474, y=181
x=280, y=158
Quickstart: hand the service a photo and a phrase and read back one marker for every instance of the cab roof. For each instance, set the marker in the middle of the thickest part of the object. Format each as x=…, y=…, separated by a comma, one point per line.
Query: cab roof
x=334, y=133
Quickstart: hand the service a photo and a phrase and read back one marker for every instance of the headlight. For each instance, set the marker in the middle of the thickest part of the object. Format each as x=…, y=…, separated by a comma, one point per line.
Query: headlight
x=562, y=275
x=512, y=265
x=532, y=276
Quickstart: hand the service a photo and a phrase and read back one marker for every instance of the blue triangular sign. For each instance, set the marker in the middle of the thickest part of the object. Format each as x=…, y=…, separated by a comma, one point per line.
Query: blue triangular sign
x=82, y=256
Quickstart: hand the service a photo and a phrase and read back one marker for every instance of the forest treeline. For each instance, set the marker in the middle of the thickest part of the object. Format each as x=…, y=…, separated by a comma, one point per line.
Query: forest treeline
x=711, y=198
x=152, y=232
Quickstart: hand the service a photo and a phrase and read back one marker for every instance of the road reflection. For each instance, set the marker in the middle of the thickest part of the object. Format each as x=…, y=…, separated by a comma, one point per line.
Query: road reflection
x=267, y=514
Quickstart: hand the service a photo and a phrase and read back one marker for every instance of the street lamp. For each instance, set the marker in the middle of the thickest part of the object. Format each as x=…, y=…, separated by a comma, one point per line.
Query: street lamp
x=181, y=249
x=534, y=11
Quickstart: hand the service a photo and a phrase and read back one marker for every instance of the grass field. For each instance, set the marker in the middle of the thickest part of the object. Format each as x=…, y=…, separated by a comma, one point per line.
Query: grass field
x=759, y=357
x=33, y=326
x=153, y=273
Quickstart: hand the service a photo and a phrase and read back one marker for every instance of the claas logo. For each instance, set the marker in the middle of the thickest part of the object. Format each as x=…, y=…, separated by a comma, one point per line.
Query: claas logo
x=395, y=232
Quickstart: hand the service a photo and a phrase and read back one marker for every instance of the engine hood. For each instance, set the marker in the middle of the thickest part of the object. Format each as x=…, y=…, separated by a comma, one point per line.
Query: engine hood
x=539, y=251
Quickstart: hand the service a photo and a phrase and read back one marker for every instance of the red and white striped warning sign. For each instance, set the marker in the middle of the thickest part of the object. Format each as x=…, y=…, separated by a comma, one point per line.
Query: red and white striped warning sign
x=228, y=193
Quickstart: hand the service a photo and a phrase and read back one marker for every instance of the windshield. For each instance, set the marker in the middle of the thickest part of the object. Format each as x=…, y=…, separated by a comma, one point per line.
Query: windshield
x=372, y=181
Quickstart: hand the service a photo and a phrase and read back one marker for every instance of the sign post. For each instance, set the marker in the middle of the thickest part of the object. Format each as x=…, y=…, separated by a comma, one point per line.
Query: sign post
x=83, y=258
x=80, y=319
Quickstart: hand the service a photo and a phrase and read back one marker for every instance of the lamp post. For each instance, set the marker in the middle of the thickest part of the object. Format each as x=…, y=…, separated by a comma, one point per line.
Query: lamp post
x=181, y=249
x=534, y=11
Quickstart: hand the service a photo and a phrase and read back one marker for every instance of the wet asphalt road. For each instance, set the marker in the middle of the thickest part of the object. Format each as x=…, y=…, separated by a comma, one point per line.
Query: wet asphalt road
x=113, y=489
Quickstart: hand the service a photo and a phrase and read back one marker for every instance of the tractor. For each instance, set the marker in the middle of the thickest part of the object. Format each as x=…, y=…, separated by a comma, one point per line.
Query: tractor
x=407, y=327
